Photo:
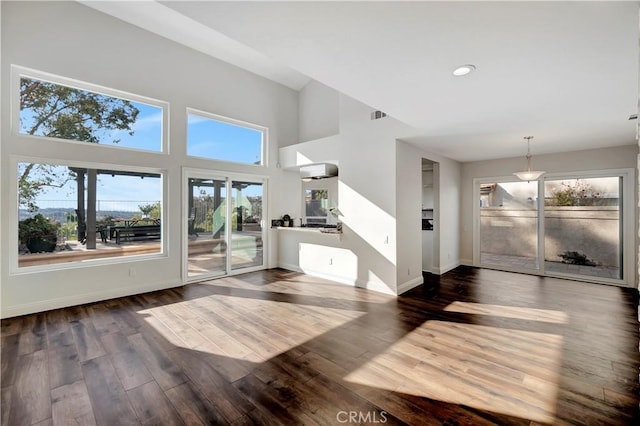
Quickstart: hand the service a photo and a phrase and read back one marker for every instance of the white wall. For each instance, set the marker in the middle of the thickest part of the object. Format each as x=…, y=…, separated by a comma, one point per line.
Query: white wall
x=366, y=193
x=1, y=154
x=375, y=210
x=318, y=112
x=325, y=150
x=596, y=159
x=447, y=208
x=447, y=213
x=71, y=40
x=380, y=197
x=408, y=216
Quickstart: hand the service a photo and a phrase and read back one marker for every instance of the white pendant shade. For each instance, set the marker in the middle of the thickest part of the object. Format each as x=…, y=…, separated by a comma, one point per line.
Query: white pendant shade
x=529, y=175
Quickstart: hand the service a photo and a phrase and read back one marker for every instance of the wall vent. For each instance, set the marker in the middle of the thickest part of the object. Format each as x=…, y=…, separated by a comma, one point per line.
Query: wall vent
x=377, y=115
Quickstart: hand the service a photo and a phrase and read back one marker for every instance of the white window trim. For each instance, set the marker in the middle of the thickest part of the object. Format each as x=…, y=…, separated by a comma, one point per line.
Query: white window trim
x=328, y=184
x=264, y=148
x=17, y=72
x=12, y=216
x=628, y=218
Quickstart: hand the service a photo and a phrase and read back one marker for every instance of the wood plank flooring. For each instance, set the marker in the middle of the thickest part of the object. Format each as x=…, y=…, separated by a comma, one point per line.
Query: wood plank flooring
x=472, y=347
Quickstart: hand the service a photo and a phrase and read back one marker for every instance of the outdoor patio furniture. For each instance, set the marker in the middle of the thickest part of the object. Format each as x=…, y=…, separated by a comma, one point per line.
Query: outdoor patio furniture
x=138, y=232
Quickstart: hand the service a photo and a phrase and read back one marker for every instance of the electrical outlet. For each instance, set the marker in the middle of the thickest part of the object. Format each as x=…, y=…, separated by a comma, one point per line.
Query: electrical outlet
x=132, y=272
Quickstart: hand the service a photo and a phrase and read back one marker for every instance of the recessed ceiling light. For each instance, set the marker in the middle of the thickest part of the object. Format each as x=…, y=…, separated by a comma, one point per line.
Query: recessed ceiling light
x=463, y=70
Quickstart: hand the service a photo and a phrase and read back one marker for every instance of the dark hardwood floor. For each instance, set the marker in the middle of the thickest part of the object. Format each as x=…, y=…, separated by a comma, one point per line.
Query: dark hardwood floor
x=472, y=347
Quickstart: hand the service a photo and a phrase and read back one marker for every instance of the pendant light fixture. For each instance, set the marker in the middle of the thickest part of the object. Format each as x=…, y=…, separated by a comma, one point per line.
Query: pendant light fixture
x=529, y=174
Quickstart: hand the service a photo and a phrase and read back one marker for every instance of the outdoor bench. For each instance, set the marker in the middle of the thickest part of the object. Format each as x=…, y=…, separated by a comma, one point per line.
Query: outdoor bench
x=138, y=232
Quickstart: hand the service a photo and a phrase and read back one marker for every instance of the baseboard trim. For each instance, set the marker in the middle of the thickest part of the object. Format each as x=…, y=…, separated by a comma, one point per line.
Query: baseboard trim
x=81, y=299
x=375, y=286
x=289, y=267
x=408, y=285
x=446, y=268
x=369, y=285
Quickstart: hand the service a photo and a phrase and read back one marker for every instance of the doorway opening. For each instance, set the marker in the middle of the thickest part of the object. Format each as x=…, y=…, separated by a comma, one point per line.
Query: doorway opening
x=429, y=215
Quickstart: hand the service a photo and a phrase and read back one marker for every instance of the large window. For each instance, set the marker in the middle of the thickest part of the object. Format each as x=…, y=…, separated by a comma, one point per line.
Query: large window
x=61, y=110
x=218, y=138
x=71, y=213
x=574, y=225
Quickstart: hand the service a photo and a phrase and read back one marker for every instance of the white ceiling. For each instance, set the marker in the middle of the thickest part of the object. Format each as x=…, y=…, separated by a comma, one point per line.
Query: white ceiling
x=564, y=72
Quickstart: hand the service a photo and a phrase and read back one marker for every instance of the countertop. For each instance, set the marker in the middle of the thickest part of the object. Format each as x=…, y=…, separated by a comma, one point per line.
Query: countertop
x=305, y=229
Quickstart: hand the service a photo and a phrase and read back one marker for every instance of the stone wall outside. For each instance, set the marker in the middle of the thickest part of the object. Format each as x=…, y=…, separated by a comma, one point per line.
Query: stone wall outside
x=593, y=231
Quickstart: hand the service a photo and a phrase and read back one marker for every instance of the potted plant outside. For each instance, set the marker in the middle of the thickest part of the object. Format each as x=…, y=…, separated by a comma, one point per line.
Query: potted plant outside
x=38, y=234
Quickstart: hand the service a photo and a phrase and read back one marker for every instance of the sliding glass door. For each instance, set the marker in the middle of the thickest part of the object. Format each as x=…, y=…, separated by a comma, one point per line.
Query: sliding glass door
x=574, y=222
x=206, y=227
x=224, y=229
x=247, y=230
x=583, y=226
x=509, y=225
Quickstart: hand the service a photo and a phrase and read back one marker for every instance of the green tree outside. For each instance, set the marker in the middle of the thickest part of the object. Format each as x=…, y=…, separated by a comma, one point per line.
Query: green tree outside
x=577, y=193
x=57, y=111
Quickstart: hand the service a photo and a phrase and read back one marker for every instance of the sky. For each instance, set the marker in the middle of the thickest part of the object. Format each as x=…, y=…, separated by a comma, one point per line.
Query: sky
x=209, y=138
x=206, y=138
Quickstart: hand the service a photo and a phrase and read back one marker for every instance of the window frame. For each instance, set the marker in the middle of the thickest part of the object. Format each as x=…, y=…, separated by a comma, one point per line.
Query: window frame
x=13, y=216
x=328, y=184
x=316, y=219
x=264, y=146
x=228, y=177
x=18, y=72
x=628, y=217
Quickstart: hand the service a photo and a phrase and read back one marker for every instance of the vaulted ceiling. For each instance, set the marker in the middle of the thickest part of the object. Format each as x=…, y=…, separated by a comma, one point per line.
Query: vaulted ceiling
x=564, y=72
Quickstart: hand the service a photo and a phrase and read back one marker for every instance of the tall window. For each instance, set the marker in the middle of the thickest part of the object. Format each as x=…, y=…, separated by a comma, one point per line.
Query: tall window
x=55, y=110
x=218, y=138
x=71, y=212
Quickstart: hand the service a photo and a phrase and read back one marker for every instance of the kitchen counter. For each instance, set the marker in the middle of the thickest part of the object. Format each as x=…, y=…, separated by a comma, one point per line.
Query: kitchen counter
x=312, y=230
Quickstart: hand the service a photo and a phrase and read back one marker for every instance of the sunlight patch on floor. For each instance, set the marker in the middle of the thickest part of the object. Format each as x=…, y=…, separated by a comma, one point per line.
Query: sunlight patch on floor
x=306, y=286
x=244, y=328
x=516, y=312
x=506, y=371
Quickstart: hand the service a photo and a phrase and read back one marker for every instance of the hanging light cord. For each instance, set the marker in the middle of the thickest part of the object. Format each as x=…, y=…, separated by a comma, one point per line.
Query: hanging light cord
x=528, y=157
